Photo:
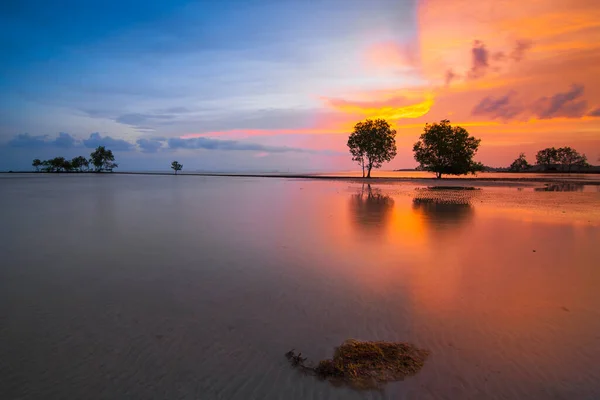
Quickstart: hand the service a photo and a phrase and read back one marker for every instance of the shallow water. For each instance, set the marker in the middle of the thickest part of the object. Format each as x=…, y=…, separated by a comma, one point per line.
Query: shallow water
x=594, y=178
x=163, y=287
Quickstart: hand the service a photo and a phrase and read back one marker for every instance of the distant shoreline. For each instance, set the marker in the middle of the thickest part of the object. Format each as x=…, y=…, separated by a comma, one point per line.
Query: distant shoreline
x=442, y=182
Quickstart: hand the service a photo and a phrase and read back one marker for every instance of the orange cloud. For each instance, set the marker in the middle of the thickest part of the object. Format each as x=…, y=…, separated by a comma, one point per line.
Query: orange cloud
x=392, y=109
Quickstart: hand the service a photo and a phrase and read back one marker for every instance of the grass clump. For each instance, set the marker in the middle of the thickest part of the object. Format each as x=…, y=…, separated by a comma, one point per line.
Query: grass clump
x=367, y=365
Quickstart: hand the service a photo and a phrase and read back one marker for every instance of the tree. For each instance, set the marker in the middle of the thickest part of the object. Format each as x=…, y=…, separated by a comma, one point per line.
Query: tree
x=372, y=143
x=175, y=166
x=103, y=159
x=520, y=164
x=57, y=163
x=568, y=157
x=446, y=149
x=79, y=163
x=37, y=163
x=47, y=167
x=67, y=166
x=547, y=157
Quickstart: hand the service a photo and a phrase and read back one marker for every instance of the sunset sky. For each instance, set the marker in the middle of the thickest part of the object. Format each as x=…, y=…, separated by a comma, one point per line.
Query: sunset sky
x=261, y=85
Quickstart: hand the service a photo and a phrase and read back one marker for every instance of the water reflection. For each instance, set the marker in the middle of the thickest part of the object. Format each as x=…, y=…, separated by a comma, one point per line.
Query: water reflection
x=371, y=209
x=561, y=187
x=444, y=207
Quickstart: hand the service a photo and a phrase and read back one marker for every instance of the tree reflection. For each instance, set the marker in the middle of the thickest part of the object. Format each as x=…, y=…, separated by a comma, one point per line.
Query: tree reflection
x=444, y=208
x=561, y=187
x=371, y=209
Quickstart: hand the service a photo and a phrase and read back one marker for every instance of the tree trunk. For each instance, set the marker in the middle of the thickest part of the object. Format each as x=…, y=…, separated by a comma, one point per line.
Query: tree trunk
x=438, y=175
x=369, y=171
x=363, y=168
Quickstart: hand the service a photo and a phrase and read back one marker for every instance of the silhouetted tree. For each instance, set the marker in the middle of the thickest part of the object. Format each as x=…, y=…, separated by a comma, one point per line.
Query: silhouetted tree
x=79, y=163
x=67, y=166
x=445, y=149
x=175, y=166
x=568, y=157
x=37, y=163
x=520, y=164
x=547, y=157
x=372, y=143
x=103, y=159
x=56, y=164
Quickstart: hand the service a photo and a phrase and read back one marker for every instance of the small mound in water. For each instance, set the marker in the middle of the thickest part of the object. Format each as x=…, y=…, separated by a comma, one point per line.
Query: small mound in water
x=366, y=365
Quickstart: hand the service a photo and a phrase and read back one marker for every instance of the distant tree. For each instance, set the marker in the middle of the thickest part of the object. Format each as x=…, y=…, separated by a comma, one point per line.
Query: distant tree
x=46, y=166
x=67, y=166
x=37, y=163
x=103, y=159
x=520, y=164
x=372, y=143
x=546, y=158
x=79, y=163
x=57, y=164
x=446, y=149
x=175, y=166
x=568, y=157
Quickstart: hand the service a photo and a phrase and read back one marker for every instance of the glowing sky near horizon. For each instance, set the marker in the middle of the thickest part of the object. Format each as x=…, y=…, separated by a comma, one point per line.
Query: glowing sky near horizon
x=265, y=85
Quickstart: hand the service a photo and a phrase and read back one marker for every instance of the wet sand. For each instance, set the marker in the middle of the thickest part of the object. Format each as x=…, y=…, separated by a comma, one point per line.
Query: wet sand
x=136, y=286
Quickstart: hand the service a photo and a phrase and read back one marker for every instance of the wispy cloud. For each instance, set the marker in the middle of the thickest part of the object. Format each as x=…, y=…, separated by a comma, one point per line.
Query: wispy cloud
x=479, y=60
x=232, y=145
x=500, y=107
x=567, y=104
x=521, y=47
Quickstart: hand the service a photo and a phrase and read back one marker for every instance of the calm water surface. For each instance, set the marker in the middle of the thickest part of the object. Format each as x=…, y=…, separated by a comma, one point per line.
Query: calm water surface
x=163, y=287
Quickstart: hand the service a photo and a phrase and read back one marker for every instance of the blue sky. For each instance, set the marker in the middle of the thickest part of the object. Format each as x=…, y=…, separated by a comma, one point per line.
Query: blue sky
x=265, y=85
x=141, y=77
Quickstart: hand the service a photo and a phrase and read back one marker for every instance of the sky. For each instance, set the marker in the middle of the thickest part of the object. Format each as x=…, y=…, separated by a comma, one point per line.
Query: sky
x=277, y=85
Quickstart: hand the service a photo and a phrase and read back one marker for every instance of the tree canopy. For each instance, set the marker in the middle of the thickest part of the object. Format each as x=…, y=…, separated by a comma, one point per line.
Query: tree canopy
x=372, y=143
x=103, y=159
x=175, y=166
x=520, y=164
x=79, y=163
x=446, y=149
x=564, y=157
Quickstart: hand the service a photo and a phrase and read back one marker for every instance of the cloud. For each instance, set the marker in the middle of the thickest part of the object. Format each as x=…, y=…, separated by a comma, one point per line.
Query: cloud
x=231, y=145
x=392, y=109
x=566, y=104
x=96, y=140
x=139, y=118
x=500, y=107
x=25, y=140
x=65, y=141
x=150, y=145
x=595, y=113
x=479, y=60
x=499, y=56
x=563, y=104
x=520, y=49
x=450, y=76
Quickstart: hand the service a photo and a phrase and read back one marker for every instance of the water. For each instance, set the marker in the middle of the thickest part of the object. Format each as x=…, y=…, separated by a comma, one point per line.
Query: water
x=590, y=177
x=163, y=287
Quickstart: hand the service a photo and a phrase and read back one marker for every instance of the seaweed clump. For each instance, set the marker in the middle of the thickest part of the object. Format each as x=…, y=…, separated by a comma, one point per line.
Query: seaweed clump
x=366, y=365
